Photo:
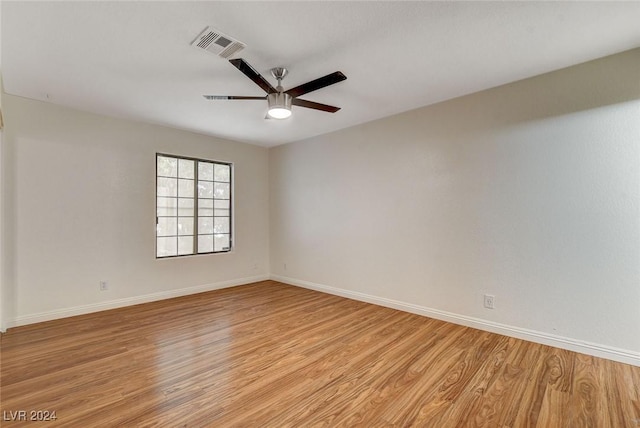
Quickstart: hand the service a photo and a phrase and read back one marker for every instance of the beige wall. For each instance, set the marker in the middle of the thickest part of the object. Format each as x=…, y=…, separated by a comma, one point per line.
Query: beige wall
x=529, y=192
x=3, y=293
x=80, y=208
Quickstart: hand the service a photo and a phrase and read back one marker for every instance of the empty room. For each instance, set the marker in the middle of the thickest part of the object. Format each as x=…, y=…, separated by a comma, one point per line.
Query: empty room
x=320, y=213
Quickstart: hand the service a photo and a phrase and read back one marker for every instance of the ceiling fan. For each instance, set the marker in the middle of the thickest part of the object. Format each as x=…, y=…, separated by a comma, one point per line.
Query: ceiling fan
x=279, y=100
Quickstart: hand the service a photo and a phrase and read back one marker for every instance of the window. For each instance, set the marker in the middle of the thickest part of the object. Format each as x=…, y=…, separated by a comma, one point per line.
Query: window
x=193, y=206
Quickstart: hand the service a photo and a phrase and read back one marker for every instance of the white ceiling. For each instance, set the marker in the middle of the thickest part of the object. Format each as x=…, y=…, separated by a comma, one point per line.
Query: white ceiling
x=135, y=59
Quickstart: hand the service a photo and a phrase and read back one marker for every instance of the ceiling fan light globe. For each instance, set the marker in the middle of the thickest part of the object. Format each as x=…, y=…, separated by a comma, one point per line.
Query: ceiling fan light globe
x=279, y=113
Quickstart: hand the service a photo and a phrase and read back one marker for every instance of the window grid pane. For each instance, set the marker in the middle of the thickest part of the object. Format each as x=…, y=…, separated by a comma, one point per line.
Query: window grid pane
x=193, y=206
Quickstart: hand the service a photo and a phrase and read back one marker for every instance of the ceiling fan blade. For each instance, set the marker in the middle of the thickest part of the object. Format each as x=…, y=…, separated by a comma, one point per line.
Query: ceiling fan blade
x=252, y=74
x=316, y=84
x=232, y=97
x=316, y=106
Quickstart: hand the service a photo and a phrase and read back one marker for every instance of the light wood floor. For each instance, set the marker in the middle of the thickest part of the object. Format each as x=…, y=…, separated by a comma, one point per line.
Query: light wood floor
x=273, y=355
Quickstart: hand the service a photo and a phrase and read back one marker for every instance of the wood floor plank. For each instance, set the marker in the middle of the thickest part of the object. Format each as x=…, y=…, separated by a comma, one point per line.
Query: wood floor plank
x=624, y=379
x=274, y=355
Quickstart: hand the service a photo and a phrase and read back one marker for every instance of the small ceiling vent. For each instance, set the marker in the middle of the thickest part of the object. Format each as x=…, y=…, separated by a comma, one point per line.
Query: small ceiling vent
x=214, y=41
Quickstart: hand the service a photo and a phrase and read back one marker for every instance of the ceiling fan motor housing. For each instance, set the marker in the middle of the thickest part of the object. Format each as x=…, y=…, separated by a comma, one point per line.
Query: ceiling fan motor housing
x=279, y=105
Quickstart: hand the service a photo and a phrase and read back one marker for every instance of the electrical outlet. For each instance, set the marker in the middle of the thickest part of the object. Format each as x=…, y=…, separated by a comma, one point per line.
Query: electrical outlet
x=489, y=301
x=285, y=266
x=104, y=285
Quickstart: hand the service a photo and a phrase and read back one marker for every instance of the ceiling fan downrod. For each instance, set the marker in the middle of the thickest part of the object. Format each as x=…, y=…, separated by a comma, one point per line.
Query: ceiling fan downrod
x=279, y=73
x=279, y=102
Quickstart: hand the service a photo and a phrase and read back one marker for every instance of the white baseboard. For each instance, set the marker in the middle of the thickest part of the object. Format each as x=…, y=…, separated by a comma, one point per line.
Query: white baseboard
x=602, y=351
x=128, y=301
